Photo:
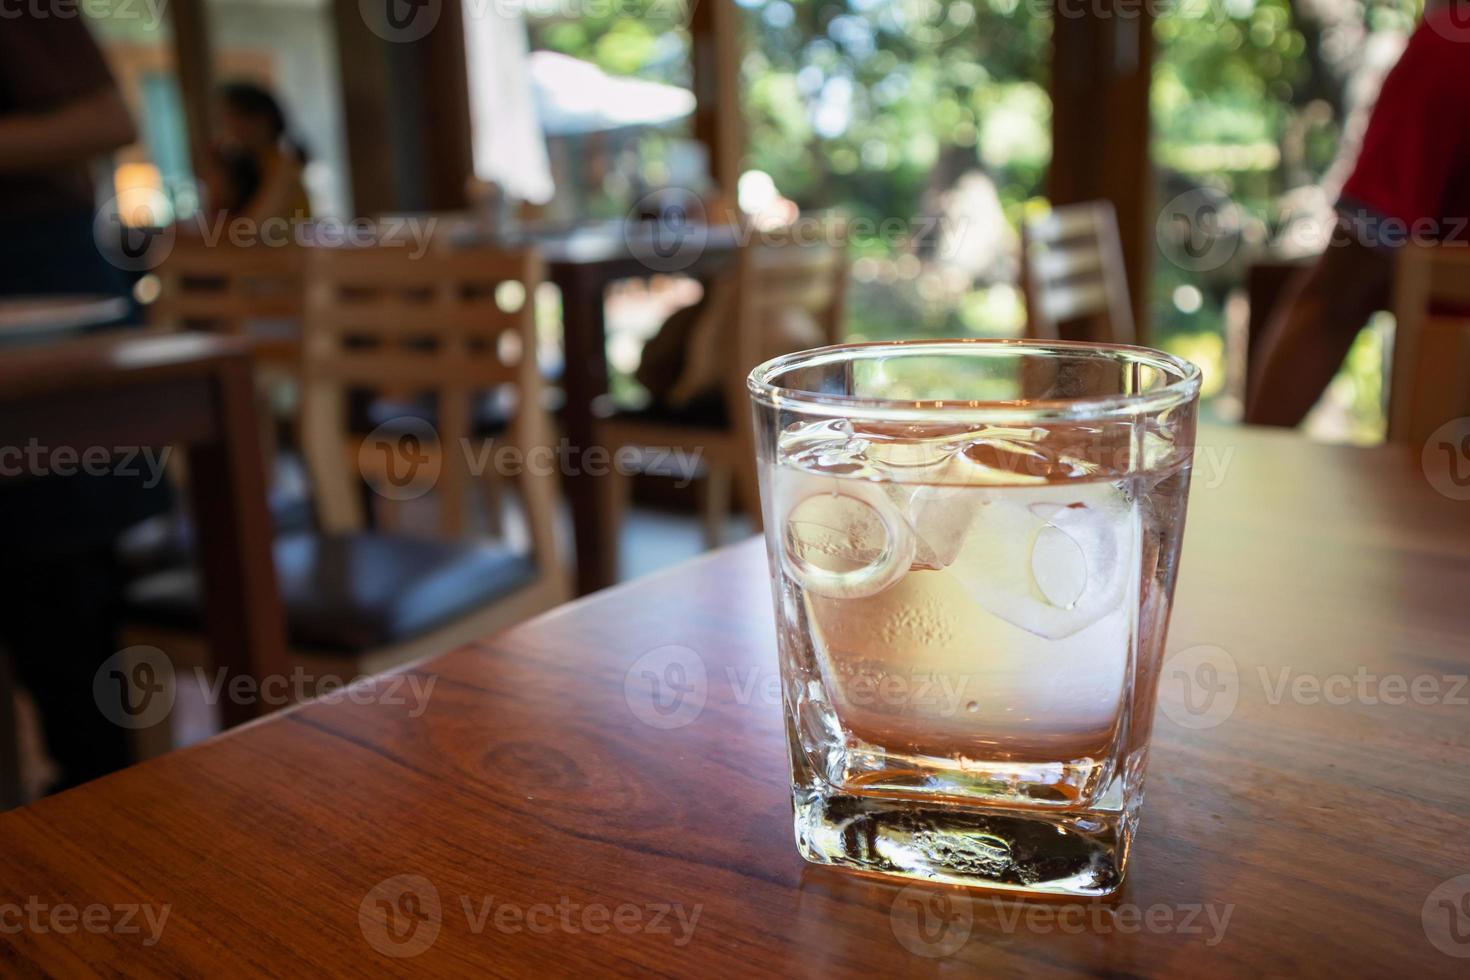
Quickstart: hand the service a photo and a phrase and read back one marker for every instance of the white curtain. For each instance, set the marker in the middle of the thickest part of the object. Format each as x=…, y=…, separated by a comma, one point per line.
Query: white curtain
x=509, y=145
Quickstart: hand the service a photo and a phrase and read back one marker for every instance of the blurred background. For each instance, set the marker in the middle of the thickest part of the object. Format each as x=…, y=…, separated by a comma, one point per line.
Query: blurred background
x=936, y=116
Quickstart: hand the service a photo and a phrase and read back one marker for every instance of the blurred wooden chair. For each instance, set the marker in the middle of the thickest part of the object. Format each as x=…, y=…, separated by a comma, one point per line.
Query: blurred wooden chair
x=356, y=601
x=252, y=291
x=779, y=272
x=1430, y=382
x=1072, y=274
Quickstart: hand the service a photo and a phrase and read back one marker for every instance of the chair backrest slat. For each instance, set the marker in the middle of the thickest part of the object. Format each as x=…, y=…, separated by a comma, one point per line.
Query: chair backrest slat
x=1072, y=270
x=242, y=291
x=452, y=324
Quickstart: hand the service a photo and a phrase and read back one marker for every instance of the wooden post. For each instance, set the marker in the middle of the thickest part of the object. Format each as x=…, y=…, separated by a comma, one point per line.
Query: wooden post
x=195, y=68
x=716, y=44
x=1102, y=64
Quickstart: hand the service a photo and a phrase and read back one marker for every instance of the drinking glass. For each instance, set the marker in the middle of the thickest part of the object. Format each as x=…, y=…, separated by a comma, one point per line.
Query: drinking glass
x=973, y=546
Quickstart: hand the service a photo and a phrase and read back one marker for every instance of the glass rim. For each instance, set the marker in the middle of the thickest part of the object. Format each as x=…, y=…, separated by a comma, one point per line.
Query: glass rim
x=1183, y=387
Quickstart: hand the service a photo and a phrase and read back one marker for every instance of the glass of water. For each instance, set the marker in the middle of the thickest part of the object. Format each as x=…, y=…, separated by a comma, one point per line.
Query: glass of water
x=974, y=546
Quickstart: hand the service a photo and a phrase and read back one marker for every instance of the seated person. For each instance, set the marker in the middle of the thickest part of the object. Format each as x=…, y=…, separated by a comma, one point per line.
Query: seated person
x=1411, y=183
x=256, y=167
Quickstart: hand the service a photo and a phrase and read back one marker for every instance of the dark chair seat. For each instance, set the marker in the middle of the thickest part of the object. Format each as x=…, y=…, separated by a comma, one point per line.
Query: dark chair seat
x=167, y=540
x=704, y=412
x=352, y=593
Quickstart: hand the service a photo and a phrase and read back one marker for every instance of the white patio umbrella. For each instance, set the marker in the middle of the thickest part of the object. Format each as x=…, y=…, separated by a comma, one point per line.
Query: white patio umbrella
x=575, y=98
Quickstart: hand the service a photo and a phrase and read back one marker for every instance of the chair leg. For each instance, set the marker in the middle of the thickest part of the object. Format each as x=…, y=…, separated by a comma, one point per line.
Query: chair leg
x=715, y=505
x=613, y=490
x=492, y=496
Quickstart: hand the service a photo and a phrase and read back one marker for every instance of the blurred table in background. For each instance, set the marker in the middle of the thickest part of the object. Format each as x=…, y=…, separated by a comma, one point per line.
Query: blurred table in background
x=31, y=319
x=583, y=262
x=1286, y=830
x=194, y=391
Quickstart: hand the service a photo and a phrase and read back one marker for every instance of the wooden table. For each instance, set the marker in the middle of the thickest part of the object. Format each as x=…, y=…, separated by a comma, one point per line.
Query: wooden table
x=583, y=262
x=193, y=391
x=532, y=783
x=30, y=319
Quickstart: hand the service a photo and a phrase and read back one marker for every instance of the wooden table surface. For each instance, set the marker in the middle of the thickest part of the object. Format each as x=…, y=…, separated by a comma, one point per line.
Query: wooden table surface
x=540, y=816
x=32, y=318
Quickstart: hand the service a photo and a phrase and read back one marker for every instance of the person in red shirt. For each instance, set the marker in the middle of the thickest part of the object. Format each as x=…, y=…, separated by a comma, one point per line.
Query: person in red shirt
x=1411, y=184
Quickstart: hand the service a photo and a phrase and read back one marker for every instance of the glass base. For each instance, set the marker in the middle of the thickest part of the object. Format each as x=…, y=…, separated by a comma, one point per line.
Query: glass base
x=1078, y=854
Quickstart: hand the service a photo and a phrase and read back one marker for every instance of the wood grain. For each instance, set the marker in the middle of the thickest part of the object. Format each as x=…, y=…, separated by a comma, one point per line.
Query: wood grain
x=1320, y=829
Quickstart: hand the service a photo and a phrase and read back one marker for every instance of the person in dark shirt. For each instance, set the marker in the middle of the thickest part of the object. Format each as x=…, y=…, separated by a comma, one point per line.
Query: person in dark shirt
x=60, y=111
x=1411, y=183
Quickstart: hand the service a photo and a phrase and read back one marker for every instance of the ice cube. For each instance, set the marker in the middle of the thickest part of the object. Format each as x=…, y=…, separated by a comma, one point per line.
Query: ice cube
x=841, y=537
x=1051, y=560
